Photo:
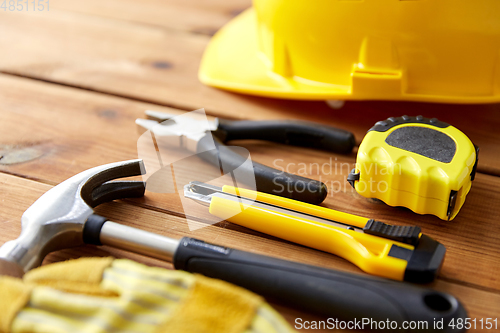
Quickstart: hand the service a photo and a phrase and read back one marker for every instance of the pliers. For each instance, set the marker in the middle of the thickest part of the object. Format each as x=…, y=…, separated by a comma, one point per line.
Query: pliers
x=200, y=136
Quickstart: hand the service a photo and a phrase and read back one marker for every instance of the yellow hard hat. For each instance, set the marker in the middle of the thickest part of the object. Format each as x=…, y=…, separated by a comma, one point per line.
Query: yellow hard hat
x=420, y=50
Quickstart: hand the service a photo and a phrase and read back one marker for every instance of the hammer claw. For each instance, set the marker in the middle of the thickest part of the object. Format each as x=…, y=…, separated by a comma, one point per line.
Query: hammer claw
x=98, y=188
x=117, y=190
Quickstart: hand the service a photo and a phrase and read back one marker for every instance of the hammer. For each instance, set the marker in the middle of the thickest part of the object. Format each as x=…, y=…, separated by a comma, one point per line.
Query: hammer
x=63, y=217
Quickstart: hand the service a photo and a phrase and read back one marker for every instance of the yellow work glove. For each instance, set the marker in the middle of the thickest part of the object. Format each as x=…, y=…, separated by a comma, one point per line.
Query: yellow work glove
x=107, y=295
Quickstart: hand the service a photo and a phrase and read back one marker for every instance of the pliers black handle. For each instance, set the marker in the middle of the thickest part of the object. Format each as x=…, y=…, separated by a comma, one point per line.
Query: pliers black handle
x=267, y=179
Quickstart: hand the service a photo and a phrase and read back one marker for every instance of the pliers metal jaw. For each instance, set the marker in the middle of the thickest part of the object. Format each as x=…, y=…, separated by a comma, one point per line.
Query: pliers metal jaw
x=178, y=130
x=207, y=138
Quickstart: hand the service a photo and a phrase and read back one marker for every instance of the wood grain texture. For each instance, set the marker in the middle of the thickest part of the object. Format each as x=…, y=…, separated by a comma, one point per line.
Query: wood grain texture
x=124, y=58
x=203, y=17
x=18, y=194
x=77, y=130
x=146, y=54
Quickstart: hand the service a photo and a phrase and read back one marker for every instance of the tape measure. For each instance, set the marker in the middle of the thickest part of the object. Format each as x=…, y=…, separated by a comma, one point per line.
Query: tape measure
x=423, y=164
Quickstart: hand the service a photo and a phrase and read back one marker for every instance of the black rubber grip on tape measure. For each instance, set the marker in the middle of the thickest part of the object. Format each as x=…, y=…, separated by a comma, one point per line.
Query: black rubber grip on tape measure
x=384, y=125
x=403, y=234
x=92, y=229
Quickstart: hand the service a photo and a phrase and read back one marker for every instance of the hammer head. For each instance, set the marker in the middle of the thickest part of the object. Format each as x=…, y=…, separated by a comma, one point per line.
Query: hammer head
x=56, y=220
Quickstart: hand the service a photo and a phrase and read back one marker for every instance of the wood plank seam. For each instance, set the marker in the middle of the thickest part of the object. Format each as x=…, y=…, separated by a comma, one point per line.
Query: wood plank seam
x=121, y=211
x=466, y=236
x=133, y=203
x=97, y=91
x=136, y=99
x=142, y=24
x=91, y=56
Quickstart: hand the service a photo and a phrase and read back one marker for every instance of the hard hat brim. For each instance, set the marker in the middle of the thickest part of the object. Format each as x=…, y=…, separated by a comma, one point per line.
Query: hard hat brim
x=233, y=61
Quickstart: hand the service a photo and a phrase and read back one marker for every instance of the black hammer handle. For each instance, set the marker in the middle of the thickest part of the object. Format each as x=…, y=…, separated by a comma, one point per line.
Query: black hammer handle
x=290, y=132
x=267, y=179
x=334, y=294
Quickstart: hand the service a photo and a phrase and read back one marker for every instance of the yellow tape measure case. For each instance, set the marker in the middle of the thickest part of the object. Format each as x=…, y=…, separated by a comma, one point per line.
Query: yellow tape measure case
x=423, y=164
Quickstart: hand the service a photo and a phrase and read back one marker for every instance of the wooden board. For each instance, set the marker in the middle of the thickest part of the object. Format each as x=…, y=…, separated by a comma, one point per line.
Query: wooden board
x=201, y=17
x=122, y=57
x=73, y=130
x=158, y=65
x=20, y=193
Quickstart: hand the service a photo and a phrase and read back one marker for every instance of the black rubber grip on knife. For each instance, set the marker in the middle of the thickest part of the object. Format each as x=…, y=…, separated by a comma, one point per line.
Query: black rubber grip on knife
x=267, y=179
x=399, y=233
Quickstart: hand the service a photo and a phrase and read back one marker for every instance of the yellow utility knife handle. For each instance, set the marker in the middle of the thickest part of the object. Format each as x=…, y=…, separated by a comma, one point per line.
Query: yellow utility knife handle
x=330, y=214
x=402, y=234
x=368, y=252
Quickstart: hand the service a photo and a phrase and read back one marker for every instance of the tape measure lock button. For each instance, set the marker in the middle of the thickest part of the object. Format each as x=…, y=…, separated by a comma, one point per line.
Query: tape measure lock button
x=352, y=177
x=420, y=163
